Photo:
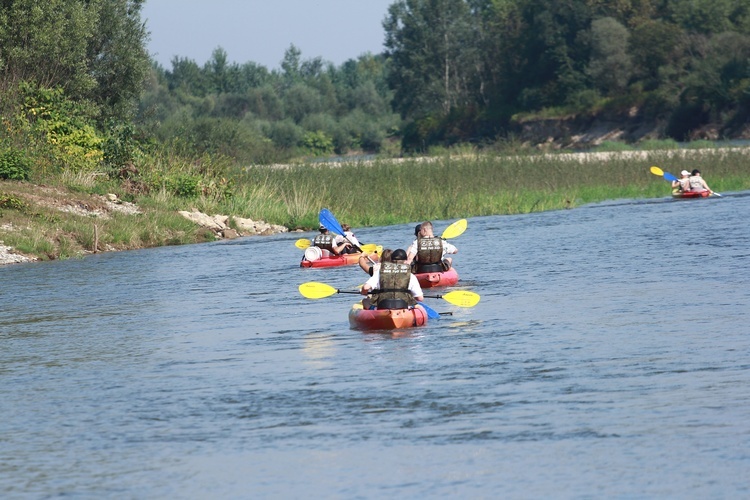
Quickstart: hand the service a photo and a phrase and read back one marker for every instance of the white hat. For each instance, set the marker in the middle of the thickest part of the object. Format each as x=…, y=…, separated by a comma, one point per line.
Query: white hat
x=684, y=172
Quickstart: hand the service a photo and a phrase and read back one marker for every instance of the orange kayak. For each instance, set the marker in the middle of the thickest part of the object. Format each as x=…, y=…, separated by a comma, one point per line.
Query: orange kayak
x=440, y=278
x=386, y=319
x=346, y=259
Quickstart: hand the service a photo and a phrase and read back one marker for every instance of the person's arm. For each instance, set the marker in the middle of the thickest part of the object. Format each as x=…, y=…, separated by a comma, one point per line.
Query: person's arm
x=365, y=263
x=411, y=252
x=415, y=288
x=371, y=283
x=339, y=248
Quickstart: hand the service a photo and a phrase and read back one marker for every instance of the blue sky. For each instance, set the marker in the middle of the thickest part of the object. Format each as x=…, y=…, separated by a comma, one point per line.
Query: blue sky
x=261, y=30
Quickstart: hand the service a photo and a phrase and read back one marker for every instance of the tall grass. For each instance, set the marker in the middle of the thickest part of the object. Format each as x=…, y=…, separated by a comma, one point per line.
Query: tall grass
x=361, y=193
x=387, y=191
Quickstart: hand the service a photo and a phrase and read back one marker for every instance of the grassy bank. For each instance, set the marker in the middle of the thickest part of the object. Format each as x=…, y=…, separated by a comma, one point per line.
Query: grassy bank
x=68, y=216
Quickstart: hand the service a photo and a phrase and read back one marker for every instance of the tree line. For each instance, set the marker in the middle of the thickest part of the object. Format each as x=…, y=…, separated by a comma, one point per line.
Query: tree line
x=452, y=71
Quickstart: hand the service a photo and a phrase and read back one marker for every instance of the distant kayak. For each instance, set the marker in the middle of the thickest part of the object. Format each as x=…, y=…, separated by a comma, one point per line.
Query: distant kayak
x=386, y=319
x=315, y=259
x=690, y=194
x=436, y=278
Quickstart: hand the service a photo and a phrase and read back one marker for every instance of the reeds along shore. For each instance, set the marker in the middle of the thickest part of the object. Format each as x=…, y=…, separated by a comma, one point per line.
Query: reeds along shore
x=360, y=193
x=386, y=192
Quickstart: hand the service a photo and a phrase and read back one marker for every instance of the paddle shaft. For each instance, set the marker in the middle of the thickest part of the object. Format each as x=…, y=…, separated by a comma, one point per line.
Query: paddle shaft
x=376, y=291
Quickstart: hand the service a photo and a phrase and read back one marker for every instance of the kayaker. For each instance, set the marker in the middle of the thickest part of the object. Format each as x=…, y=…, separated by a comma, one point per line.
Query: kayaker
x=328, y=243
x=682, y=185
x=428, y=250
x=697, y=184
x=392, y=285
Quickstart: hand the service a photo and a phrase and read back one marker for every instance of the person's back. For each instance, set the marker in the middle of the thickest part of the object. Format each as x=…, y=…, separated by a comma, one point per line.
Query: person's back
x=393, y=287
x=428, y=252
x=697, y=183
x=392, y=284
x=328, y=242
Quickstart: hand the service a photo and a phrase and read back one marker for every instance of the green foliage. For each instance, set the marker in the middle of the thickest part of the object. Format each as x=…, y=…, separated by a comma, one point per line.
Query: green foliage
x=317, y=143
x=93, y=49
x=14, y=165
x=64, y=125
x=13, y=203
x=120, y=148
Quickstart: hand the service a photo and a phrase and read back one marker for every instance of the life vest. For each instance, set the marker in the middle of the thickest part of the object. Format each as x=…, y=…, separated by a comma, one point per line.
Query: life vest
x=325, y=241
x=696, y=184
x=429, y=250
x=684, y=184
x=394, y=285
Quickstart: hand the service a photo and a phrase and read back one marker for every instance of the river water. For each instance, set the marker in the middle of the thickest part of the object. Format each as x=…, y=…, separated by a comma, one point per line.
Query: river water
x=609, y=357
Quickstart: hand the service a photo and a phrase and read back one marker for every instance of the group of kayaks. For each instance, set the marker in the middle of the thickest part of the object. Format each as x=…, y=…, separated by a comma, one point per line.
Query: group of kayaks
x=383, y=319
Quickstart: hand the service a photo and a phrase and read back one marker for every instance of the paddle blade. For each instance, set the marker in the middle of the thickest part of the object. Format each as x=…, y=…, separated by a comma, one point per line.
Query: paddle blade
x=455, y=229
x=657, y=171
x=431, y=313
x=314, y=290
x=302, y=243
x=327, y=219
x=715, y=194
x=462, y=298
x=370, y=248
x=670, y=177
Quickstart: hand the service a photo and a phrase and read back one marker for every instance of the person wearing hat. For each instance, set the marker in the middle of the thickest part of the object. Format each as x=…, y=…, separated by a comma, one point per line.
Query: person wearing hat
x=392, y=285
x=329, y=244
x=697, y=183
x=428, y=251
x=682, y=185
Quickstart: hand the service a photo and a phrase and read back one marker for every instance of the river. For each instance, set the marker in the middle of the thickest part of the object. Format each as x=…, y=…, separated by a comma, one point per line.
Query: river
x=608, y=357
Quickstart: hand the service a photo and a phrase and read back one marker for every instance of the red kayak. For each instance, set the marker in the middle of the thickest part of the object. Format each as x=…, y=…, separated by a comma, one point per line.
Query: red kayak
x=386, y=319
x=437, y=278
x=691, y=194
x=346, y=259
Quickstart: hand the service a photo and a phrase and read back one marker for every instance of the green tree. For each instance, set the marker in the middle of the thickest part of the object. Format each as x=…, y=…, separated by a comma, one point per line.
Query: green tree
x=610, y=64
x=93, y=49
x=433, y=62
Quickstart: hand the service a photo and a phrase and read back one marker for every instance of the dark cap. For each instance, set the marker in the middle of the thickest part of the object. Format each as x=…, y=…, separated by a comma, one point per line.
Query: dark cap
x=417, y=229
x=398, y=254
x=322, y=228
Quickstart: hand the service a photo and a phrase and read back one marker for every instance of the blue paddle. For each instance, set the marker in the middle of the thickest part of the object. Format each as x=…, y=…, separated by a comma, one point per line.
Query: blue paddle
x=431, y=313
x=670, y=177
x=327, y=219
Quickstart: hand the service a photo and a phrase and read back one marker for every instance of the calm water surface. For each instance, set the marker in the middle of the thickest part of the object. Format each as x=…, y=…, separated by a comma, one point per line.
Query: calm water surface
x=609, y=357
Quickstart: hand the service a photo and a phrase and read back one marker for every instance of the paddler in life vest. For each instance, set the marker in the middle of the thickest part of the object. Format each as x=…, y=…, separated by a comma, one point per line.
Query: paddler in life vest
x=392, y=285
x=697, y=184
x=329, y=244
x=682, y=185
x=428, y=252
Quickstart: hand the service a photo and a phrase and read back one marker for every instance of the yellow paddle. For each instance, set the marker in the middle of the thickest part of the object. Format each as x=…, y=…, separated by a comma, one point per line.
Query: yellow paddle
x=315, y=290
x=657, y=171
x=304, y=243
x=455, y=229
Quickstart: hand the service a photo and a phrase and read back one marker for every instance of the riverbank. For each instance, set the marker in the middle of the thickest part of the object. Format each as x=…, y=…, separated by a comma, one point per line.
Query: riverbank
x=42, y=222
